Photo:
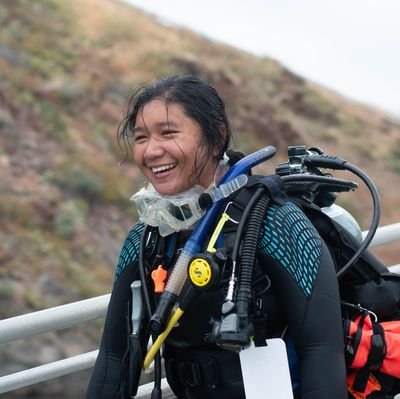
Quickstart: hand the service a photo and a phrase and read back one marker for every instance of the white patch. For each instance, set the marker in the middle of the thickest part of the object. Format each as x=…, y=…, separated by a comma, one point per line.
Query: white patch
x=265, y=371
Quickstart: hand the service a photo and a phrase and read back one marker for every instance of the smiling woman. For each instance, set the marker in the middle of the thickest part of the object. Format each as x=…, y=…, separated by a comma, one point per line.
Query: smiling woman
x=166, y=147
x=178, y=132
x=263, y=262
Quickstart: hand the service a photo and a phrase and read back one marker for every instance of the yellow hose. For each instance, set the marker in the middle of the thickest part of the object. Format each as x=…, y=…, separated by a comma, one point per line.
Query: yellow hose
x=161, y=338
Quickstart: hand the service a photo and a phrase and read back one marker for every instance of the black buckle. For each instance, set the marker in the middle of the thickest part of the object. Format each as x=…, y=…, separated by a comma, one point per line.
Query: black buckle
x=190, y=374
x=193, y=374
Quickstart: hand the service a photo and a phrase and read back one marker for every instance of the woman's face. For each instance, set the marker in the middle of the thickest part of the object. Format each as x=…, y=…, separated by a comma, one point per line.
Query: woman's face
x=166, y=145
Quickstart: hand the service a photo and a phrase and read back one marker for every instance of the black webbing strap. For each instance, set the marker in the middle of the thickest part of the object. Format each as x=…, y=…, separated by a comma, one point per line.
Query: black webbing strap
x=207, y=369
x=378, y=347
x=375, y=357
x=273, y=185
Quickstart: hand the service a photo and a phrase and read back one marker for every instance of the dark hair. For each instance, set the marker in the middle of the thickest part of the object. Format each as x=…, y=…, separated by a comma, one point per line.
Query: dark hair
x=199, y=100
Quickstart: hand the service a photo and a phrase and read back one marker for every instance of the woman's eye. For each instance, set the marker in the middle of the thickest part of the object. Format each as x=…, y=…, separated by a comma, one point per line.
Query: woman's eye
x=168, y=133
x=137, y=138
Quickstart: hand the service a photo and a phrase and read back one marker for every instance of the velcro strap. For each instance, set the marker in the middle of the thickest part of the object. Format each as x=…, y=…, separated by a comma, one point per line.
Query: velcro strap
x=258, y=321
x=193, y=374
x=378, y=347
x=361, y=380
x=208, y=370
x=190, y=373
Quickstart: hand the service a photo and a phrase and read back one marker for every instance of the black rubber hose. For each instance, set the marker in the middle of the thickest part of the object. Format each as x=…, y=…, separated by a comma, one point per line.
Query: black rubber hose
x=375, y=218
x=334, y=162
x=243, y=222
x=250, y=241
x=142, y=271
x=156, y=393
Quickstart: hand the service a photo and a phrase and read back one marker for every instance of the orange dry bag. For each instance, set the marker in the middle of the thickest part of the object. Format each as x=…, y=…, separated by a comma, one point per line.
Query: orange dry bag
x=371, y=346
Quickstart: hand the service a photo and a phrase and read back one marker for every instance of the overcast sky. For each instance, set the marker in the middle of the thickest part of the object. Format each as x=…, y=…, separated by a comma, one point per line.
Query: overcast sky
x=351, y=46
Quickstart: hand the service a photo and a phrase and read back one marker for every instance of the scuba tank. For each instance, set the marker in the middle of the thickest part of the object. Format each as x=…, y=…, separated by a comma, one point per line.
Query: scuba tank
x=345, y=219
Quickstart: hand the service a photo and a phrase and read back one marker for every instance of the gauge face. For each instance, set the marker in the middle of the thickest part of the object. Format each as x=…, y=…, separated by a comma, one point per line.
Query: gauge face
x=200, y=272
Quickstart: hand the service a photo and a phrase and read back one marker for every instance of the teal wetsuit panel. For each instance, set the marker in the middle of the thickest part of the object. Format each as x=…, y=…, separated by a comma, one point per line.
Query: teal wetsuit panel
x=290, y=239
x=130, y=250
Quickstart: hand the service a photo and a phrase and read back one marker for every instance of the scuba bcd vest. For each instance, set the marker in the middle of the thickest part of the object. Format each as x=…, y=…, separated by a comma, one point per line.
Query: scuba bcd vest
x=362, y=278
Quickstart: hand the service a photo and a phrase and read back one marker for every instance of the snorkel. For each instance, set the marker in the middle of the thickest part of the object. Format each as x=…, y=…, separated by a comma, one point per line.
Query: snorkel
x=195, y=242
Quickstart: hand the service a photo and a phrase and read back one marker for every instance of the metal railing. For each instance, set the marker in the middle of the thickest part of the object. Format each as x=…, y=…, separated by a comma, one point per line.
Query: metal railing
x=68, y=315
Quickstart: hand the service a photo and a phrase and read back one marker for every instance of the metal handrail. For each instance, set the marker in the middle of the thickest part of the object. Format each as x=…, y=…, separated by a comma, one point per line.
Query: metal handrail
x=53, y=319
x=47, y=371
x=385, y=235
x=68, y=315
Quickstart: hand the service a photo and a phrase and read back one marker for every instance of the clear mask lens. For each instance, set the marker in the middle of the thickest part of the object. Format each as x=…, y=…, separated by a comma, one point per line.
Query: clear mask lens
x=169, y=213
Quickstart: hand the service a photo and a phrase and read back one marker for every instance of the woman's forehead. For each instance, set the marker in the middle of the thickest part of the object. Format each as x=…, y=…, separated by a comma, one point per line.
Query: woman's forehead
x=159, y=112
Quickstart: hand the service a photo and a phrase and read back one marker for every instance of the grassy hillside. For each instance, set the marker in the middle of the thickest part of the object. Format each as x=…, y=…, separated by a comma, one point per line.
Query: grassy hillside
x=66, y=71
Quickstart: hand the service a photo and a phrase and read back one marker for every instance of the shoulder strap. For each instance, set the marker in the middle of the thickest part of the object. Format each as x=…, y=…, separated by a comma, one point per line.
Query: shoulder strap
x=272, y=183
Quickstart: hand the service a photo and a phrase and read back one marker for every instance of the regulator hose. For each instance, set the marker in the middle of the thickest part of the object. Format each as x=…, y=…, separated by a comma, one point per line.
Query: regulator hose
x=234, y=329
x=250, y=241
x=156, y=393
x=334, y=162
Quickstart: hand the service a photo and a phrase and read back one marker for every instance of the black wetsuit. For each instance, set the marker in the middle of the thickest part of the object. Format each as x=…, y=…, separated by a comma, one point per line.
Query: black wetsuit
x=303, y=295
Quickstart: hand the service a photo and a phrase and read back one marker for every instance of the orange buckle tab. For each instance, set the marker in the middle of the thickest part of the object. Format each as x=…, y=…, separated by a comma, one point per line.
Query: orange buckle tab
x=159, y=276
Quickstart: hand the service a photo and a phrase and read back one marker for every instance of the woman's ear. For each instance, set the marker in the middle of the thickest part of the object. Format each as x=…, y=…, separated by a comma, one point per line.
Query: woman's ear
x=222, y=131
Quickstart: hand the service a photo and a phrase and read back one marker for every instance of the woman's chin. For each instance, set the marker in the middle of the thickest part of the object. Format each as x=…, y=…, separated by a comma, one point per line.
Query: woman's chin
x=165, y=189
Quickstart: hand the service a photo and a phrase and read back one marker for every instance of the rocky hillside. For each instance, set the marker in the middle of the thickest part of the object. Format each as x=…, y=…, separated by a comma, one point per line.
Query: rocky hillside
x=66, y=71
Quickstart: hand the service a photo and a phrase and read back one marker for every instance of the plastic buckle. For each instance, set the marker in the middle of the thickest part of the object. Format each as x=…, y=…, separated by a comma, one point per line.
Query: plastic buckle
x=190, y=374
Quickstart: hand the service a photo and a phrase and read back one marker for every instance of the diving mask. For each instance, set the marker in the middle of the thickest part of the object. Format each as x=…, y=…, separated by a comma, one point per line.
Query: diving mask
x=170, y=213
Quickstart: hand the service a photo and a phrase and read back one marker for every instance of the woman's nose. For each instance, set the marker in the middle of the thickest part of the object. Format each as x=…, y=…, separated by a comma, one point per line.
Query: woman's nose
x=154, y=148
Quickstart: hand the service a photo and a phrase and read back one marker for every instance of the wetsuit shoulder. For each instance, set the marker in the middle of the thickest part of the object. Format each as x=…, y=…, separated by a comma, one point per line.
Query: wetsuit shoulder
x=289, y=237
x=130, y=249
x=298, y=262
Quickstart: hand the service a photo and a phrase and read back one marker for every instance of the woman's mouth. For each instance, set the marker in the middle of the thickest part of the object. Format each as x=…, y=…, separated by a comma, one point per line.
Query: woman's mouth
x=158, y=170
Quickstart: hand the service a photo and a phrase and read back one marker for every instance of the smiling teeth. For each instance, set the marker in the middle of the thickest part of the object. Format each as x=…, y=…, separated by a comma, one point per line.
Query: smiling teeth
x=163, y=168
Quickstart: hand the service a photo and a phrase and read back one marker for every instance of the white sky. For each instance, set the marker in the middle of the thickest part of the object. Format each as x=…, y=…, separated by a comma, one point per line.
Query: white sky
x=351, y=46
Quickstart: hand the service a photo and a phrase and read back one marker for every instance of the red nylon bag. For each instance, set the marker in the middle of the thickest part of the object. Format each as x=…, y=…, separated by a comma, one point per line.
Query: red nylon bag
x=371, y=345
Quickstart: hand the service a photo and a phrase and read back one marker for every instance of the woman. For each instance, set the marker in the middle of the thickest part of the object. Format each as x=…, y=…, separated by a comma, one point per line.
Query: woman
x=179, y=135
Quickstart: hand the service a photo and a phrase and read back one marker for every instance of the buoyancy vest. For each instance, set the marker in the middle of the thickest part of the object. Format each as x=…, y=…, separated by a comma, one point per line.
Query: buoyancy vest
x=377, y=274
x=303, y=309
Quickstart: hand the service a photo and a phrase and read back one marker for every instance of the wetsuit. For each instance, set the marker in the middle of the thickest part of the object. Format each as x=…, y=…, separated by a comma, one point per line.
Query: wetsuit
x=303, y=295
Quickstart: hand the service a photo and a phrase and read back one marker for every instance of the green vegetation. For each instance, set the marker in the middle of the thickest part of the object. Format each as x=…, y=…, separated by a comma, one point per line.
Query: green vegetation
x=70, y=218
x=314, y=105
x=77, y=179
x=52, y=120
x=92, y=182
x=353, y=127
x=394, y=157
x=6, y=289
